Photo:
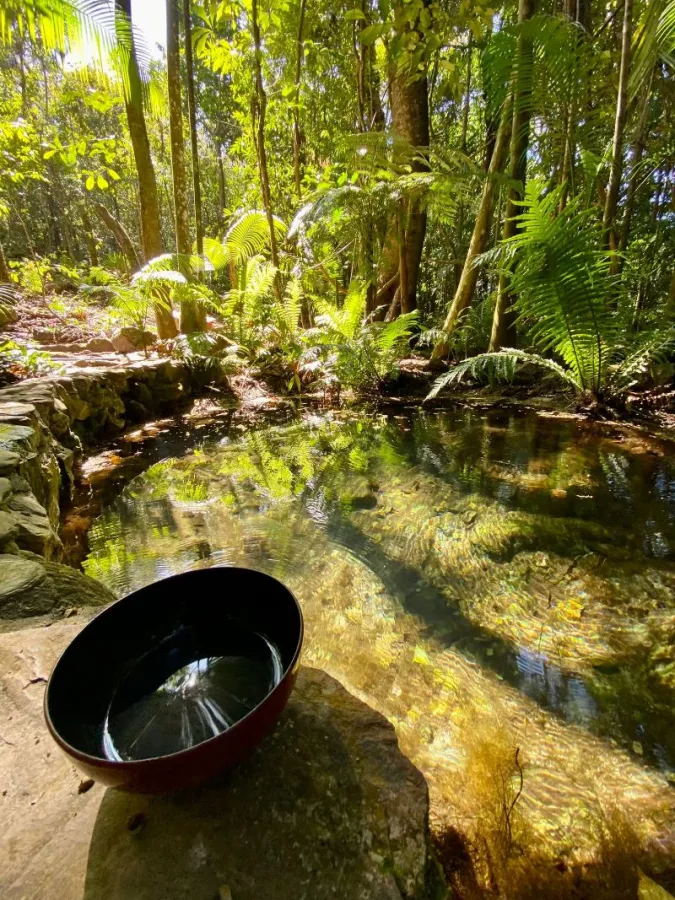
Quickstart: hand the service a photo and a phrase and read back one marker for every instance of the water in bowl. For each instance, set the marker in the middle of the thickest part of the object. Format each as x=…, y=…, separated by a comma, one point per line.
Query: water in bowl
x=187, y=690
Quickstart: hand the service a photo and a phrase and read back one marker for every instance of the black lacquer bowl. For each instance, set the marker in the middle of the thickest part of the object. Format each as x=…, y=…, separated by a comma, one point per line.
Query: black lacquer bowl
x=177, y=681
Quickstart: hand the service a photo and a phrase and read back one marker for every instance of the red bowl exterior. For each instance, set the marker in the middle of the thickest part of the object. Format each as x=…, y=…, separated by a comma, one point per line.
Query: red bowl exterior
x=198, y=764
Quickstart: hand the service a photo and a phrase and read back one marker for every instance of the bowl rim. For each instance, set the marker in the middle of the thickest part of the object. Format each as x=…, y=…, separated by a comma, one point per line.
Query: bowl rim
x=130, y=764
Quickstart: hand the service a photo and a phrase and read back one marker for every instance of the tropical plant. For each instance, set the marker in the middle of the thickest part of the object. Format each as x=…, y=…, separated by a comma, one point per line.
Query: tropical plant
x=567, y=304
x=361, y=353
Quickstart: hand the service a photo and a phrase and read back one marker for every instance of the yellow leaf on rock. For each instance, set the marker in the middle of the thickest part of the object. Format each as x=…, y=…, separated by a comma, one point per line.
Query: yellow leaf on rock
x=421, y=657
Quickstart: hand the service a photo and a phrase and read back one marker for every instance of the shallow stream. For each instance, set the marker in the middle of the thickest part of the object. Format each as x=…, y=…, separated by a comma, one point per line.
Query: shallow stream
x=463, y=570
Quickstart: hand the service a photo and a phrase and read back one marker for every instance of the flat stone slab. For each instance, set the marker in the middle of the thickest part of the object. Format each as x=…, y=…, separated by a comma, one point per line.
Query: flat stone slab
x=327, y=807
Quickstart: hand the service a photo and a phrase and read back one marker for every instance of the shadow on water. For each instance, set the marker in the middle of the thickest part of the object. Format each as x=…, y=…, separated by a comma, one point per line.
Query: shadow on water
x=611, y=713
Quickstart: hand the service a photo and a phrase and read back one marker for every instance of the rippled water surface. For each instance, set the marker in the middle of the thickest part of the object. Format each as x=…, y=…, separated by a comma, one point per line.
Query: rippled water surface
x=453, y=567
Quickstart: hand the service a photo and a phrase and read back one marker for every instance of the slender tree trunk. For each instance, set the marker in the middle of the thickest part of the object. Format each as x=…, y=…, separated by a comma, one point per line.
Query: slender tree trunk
x=259, y=113
x=192, y=113
x=151, y=230
x=120, y=234
x=491, y=121
x=503, y=322
x=459, y=229
x=297, y=132
x=191, y=315
x=371, y=118
x=221, y=189
x=90, y=237
x=467, y=283
x=5, y=276
x=614, y=184
x=636, y=153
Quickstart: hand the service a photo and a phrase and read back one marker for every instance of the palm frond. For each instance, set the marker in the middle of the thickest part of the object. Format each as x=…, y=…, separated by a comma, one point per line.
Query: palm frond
x=651, y=348
x=654, y=39
x=76, y=27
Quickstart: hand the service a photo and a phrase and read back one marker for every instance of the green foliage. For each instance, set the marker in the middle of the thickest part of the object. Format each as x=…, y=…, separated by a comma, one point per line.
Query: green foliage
x=567, y=305
x=362, y=354
x=19, y=357
x=32, y=275
x=563, y=283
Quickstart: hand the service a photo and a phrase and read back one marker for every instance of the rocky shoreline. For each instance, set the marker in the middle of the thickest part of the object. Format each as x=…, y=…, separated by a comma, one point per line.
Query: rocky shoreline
x=45, y=424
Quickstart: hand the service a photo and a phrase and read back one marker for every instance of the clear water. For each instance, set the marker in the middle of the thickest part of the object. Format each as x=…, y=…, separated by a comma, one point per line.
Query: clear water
x=454, y=568
x=176, y=697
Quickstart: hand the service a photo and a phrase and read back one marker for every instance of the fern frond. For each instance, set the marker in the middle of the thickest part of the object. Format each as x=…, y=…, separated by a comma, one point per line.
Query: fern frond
x=651, y=349
x=249, y=235
x=501, y=366
x=289, y=311
x=391, y=335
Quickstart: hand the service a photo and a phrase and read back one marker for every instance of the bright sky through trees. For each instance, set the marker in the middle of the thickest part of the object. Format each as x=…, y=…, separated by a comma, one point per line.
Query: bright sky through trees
x=149, y=17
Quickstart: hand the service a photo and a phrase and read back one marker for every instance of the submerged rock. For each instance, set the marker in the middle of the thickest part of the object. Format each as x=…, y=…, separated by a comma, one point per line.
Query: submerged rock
x=327, y=807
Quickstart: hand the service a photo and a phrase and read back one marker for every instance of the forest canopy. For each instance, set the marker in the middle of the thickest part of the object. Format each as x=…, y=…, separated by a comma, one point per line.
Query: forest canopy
x=329, y=184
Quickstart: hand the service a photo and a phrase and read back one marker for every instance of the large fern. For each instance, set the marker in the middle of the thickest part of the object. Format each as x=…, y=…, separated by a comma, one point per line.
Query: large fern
x=566, y=305
x=563, y=285
x=364, y=353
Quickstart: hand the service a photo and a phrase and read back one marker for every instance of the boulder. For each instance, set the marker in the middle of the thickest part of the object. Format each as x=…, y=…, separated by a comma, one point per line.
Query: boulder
x=8, y=528
x=34, y=531
x=8, y=315
x=326, y=807
x=5, y=490
x=100, y=345
x=30, y=586
x=8, y=461
x=19, y=578
x=130, y=339
x=44, y=335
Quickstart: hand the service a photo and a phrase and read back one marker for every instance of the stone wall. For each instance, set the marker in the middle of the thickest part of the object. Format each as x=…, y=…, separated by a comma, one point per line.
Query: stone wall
x=44, y=425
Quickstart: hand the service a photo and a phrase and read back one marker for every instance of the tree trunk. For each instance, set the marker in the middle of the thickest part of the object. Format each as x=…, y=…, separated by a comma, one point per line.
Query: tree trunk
x=459, y=228
x=90, y=237
x=151, y=230
x=192, y=113
x=410, y=121
x=297, y=132
x=636, y=153
x=503, y=322
x=5, y=276
x=371, y=118
x=614, y=184
x=491, y=121
x=467, y=283
x=120, y=234
x=191, y=315
x=221, y=189
x=259, y=111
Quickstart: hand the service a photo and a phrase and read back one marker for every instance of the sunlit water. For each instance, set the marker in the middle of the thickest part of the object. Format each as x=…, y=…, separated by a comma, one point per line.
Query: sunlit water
x=454, y=569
